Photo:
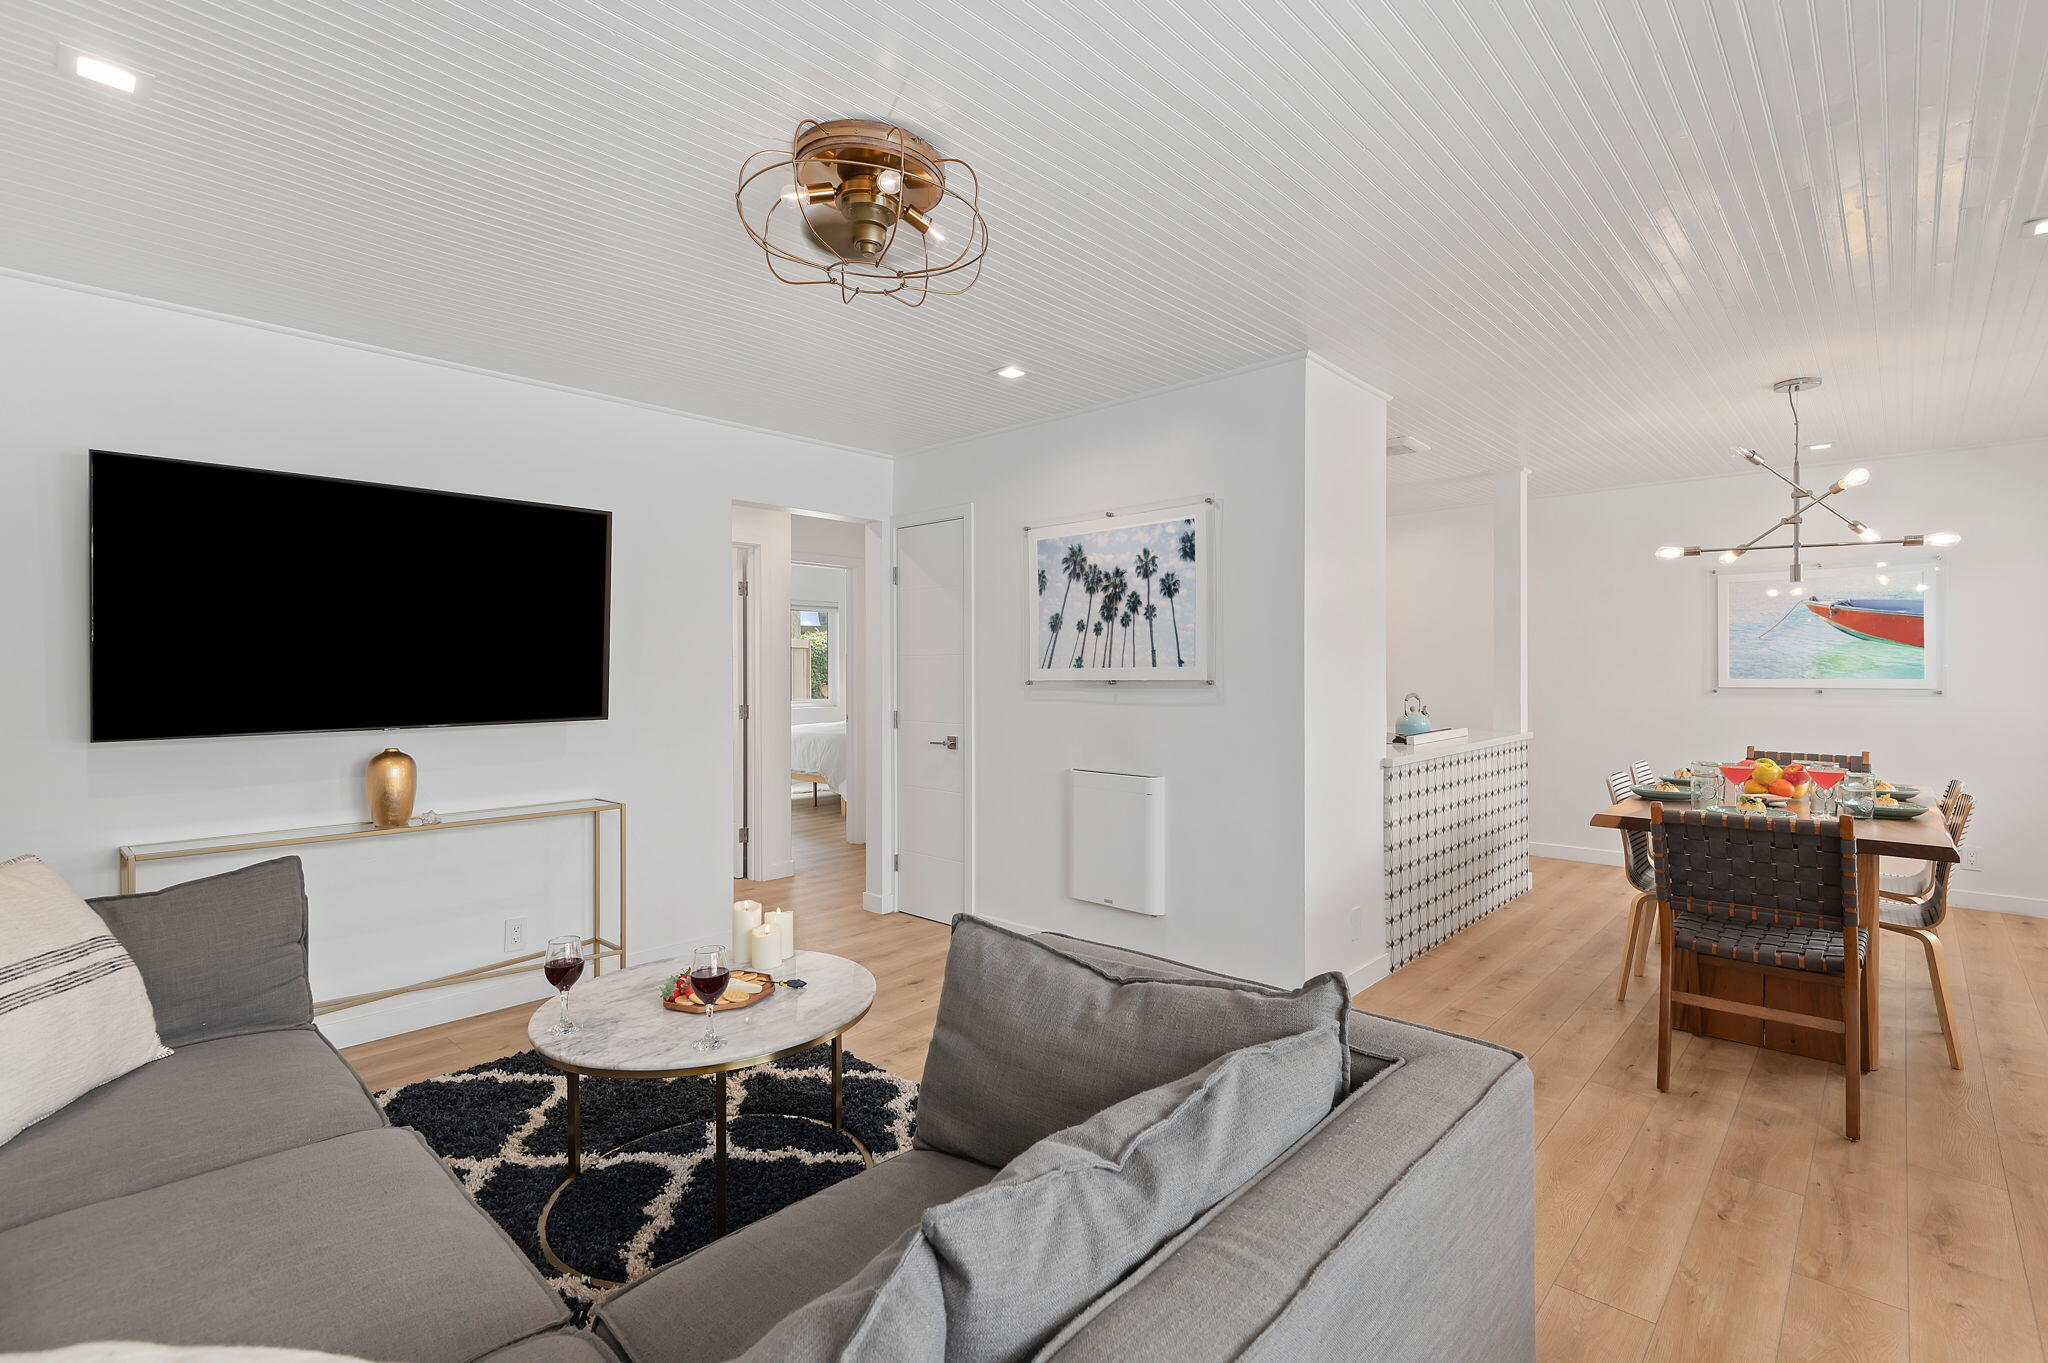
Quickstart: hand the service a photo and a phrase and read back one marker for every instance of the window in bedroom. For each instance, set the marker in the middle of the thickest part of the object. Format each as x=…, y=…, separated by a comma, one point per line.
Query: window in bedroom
x=814, y=657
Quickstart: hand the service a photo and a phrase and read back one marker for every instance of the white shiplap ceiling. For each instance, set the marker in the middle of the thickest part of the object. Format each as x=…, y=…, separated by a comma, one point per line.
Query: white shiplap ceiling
x=1580, y=235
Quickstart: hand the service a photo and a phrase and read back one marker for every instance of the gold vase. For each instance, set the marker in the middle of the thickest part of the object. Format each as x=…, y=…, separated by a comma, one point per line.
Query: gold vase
x=390, y=782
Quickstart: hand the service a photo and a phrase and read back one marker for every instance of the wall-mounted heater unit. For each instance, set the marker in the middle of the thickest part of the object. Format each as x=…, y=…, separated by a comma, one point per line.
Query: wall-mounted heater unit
x=1116, y=840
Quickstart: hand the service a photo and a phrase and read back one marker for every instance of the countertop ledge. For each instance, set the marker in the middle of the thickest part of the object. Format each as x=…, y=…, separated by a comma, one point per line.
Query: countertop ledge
x=1401, y=755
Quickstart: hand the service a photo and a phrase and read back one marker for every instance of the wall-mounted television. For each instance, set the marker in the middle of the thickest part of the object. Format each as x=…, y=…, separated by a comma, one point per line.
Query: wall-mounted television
x=246, y=601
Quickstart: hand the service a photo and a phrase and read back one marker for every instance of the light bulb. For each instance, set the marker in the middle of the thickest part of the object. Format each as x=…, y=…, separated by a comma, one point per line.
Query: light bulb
x=1751, y=455
x=1670, y=551
x=1731, y=555
x=1799, y=591
x=1865, y=533
x=1944, y=538
x=1854, y=478
x=1770, y=591
x=890, y=182
x=792, y=194
x=1880, y=563
x=934, y=234
x=1828, y=446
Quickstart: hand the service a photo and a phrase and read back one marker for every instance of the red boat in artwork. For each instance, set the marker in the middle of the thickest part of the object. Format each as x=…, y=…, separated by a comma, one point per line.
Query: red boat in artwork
x=1897, y=621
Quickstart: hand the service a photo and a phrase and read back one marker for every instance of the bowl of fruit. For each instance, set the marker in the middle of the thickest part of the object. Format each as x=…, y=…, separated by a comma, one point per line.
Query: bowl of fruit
x=1768, y=779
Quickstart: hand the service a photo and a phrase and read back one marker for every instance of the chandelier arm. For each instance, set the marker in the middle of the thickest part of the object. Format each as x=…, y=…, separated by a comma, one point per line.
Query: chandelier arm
x=1754, y=548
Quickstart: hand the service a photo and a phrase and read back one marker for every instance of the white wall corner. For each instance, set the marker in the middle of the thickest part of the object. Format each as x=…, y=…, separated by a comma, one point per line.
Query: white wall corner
x=1362, y=977
x=877, y=903
x=1511, y=601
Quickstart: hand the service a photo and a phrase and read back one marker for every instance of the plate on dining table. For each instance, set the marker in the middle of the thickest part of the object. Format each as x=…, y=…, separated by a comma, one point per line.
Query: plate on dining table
x=1667, y=791
x=1902, y=792
x=1902, y=810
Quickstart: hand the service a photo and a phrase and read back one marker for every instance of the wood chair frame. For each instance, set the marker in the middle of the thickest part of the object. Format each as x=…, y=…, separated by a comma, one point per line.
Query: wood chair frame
x=1849, y=1025
x=1957, y=807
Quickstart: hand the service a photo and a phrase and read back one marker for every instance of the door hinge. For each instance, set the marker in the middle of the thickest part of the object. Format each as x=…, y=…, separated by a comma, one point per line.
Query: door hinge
x=746, y=711
x=895, y=719
x=743, y=586
x=746, y=835
x=896, y=862
x=895, y=577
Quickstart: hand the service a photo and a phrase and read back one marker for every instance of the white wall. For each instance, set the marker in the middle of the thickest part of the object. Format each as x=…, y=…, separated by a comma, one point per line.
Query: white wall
x=1440, y=615
x=1621, y=650
x=82, y=370
x=1232, y=753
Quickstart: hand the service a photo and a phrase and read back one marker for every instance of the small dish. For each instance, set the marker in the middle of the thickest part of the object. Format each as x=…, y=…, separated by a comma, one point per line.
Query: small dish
x=1898, y=811
x=1652, y=792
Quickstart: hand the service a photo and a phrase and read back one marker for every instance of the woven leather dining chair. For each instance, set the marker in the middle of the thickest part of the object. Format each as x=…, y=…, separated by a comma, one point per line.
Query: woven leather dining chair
x=1635, y=863
x=1767, y=893
x=1853, y=761
x=1917, y=916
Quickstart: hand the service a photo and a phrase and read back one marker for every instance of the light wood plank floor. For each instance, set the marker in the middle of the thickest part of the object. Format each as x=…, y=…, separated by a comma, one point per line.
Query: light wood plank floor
x=1726, y=1219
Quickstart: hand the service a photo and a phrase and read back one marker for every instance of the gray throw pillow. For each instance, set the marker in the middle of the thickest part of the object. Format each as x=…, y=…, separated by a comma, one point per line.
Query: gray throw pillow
x=221, y=956
x=992, y=1275
x=1031, y=1039
x=1024, y=1253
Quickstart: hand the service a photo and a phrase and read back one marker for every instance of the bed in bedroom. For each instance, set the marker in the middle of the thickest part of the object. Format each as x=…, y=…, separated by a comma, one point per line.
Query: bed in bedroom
x=818, y=753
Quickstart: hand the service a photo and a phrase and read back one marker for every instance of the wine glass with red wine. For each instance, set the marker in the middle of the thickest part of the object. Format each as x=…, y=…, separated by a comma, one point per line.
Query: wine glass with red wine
x=563, y=966
x=709, y=974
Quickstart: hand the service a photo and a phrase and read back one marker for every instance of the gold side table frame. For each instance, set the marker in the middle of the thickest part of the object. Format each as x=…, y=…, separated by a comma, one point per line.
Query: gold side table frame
x=599, y=946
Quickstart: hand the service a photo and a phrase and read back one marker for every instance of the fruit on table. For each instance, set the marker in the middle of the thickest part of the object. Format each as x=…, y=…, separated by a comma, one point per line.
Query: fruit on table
x=1766, y=771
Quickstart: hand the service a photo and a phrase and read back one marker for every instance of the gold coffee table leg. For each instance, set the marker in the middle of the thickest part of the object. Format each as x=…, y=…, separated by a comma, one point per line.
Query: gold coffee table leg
x=575, y=1124
x=718, y=1157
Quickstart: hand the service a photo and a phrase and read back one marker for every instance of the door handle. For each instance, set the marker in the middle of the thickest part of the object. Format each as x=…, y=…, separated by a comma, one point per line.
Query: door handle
x=949, y=741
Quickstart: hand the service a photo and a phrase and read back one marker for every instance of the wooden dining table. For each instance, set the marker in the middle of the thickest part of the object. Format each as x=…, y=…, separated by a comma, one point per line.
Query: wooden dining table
x=1922, y=838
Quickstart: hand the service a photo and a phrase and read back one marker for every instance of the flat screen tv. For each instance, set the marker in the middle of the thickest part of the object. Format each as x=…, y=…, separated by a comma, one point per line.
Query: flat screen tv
x=242, y=601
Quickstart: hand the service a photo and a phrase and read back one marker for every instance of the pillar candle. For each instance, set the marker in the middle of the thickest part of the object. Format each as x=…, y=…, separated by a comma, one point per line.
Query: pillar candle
x=746, y=916
x=785, y=928
x=765, y=945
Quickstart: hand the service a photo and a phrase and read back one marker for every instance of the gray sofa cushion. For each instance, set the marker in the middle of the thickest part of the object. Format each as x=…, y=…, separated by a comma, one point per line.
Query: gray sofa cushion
x=892, y=1311
x=557, y=1346
x=358, y=1245
x=1031, y=1039
x=1329, y=1253
x=763, y=1272
x=223, y=955
x=1081, y=1208
x=202, y=1108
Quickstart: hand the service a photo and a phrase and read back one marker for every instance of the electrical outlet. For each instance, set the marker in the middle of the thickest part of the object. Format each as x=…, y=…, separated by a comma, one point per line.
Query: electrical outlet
x=515, y=935
x=1971, y=852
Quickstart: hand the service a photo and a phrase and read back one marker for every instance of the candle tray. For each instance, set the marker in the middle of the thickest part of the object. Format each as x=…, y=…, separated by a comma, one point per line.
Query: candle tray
x=725, y=1005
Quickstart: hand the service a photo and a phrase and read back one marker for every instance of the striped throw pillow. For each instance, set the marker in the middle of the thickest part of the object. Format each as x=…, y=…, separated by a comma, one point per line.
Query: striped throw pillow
x=73, y=1010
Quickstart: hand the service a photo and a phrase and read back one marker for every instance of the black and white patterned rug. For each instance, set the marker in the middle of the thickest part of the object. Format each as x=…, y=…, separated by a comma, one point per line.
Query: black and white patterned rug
x=645, y=1197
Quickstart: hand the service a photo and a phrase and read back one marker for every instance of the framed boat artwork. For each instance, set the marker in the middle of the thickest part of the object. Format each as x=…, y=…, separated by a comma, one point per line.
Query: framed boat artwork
x=1854, y=627
x=1124, y=595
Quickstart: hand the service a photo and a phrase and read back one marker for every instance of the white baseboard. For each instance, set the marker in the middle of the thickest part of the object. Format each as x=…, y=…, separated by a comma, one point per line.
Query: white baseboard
x=1602, y=856
x=780, y=870
x=877, y=903
x=1371, y=973
x=431, y=1007
x=1960, y=894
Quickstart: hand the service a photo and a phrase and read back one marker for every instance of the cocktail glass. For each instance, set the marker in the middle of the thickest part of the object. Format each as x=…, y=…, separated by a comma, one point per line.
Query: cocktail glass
x=1825, y=777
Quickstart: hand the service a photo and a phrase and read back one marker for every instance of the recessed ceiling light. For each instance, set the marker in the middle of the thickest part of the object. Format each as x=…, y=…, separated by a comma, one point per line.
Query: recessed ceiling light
x=75, y=62
x=1011, y=371
x=1830, y=445
x=2037, y=227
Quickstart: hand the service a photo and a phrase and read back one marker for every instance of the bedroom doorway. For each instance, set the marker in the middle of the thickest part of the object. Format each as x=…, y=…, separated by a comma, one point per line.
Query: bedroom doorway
x=804, y=706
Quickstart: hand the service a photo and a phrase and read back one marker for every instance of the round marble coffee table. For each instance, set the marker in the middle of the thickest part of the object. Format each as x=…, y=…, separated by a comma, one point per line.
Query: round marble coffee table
x=623, y=1032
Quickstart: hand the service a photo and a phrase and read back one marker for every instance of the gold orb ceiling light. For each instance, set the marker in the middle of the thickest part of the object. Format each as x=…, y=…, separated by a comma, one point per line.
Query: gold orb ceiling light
x=864, y=205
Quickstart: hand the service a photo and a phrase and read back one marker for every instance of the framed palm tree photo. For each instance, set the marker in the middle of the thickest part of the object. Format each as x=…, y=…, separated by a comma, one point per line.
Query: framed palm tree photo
x=1123, y=595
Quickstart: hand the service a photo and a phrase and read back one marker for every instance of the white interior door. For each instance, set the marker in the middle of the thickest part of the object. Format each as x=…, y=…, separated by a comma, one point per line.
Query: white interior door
x=931, y=733
x=741, y=739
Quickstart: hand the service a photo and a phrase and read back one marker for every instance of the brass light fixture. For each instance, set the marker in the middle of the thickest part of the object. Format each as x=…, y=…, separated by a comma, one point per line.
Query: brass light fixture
x=1804, y=501
x=834, y=209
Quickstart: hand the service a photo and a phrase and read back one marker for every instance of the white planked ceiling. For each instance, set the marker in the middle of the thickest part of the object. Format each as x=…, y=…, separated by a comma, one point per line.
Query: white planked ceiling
x=1580, y=235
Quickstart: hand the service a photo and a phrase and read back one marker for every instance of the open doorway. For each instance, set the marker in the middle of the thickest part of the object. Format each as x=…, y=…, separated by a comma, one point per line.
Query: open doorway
x=807, y=714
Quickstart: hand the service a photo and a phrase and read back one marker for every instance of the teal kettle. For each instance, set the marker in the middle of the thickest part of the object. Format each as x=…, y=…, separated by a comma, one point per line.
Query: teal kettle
x=1414, y=716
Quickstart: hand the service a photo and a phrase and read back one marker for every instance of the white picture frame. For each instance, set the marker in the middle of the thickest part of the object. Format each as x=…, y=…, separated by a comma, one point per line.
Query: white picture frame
x=1824, y=650
x=1176, y=645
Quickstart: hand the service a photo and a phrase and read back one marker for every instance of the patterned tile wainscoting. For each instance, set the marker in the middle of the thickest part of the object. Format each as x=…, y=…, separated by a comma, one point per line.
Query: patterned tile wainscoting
x=1457, y=841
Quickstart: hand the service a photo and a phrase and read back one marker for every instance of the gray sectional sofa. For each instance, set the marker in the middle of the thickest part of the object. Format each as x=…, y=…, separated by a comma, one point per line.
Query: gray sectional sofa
x=247, y=1190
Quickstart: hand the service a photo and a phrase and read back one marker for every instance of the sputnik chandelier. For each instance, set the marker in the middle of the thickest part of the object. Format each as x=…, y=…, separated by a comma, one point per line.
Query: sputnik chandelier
x=835, y=206
x=1803, y=502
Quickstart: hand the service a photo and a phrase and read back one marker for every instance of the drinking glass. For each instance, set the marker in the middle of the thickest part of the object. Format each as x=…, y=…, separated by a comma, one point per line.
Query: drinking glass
x=563, y=965
x=1858, y=797
x=1706, y=782
x=1825, y=777
x=709, y=974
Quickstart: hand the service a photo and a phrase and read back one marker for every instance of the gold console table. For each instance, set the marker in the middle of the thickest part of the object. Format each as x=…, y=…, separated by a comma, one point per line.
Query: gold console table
x=600, y=948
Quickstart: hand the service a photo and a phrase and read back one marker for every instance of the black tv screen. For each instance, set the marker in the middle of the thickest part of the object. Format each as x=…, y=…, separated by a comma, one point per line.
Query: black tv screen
x=241, y=601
